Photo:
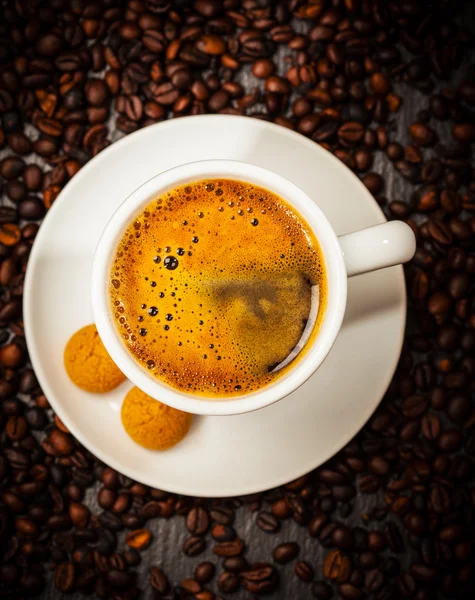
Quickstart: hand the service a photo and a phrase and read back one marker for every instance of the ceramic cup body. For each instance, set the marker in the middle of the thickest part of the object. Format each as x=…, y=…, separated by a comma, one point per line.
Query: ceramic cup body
x=342, y=256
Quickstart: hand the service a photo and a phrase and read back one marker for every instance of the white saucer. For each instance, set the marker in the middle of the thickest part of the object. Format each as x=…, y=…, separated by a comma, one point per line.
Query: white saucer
x=221, y=456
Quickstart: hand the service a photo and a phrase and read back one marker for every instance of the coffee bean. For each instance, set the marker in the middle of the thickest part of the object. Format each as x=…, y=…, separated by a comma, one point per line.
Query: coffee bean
x=393, y=537
x=351, y=132
x=79, y=514
x=36, y=417
x=140, y=539
x=343, y=493
x=414, y=406
x=45, y=147
x=61, y=442
x=194, y=545
x=337, y=566
x=235, y=564
x=422, y=134
x=422, y=572
x=394, y=151
x=459, y=408
x=228, y=582
x=263, y=68
x=197, y=521
x=31, y=209
x=322, y=591
x=464, y=132
x=343, y=538
x=11, y=167
x=97, y=92
x=158, y=580
x=284, y=553
x=223, y=533
x=450, y=440
x=19, y=143
x=65, y=577
x=267, y=522
x=16, y=428
x=407, y=585
x=374, y=182
x=233, y=548
x=304, y=571
x=204, y=572
x=26, y=527
x=350, y=592
x=222, y=515
x=119, y=579
x=368, y=484
x=260, y=578
x=191, y=586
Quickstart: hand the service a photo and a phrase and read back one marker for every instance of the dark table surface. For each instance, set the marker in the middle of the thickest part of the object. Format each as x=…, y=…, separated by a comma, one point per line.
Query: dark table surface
x=371, y=511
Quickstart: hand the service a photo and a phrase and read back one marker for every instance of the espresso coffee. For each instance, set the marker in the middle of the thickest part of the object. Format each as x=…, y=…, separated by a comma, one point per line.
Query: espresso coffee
x=218, y=287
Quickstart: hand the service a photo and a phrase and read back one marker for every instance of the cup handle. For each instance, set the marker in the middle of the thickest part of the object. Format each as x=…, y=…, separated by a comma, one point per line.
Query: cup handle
x=374, y=248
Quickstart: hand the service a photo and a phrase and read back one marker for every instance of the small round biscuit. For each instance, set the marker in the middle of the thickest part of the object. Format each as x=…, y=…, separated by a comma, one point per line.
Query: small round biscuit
x=88, y=364
x=151, y=423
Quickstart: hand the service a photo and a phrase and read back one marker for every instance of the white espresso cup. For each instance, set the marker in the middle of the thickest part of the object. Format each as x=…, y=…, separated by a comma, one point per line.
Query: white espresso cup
x=359, y=252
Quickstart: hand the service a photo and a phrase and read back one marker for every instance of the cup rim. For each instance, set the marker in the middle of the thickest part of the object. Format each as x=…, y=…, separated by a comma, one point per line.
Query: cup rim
x=334, y=266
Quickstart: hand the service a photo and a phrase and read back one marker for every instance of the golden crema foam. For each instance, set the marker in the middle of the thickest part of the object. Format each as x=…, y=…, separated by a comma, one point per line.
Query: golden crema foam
x=216, y=285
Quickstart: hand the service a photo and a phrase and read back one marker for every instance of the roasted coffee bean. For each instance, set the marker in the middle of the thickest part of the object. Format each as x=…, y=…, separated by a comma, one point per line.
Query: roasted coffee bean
x=194, y=546
x=350, y=592
x=233, y=548
x=65, y=577
x=191, y=586
x=140, y=539
x=228, y=582
x=394, y=151
x=19, y=143
x=285, y=553
x=62, y=443
x=222, y=515
x=263, y=68
x=322, y=591
x=431, y=426
x=422, y=134
x=158, y=580
x=393, y=537
x=304, y=571
x=110, y=478
x=96, y=92
x=464, y=132
x=267, y=522
x=406, y=584
x=11, y=167
x=374, y=182
x=450, y=440
x=337, y=566
x=235, y=564
x=223, y=533
x=79, y=514
x=204, y=572
x=260, y=578
x=36, y=417
x=351, y=132
x=197, y=521
x=414, y=406
x=342, y=538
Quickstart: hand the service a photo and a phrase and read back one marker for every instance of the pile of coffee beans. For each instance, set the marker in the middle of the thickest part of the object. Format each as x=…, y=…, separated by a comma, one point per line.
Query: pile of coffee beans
x=387, y=86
